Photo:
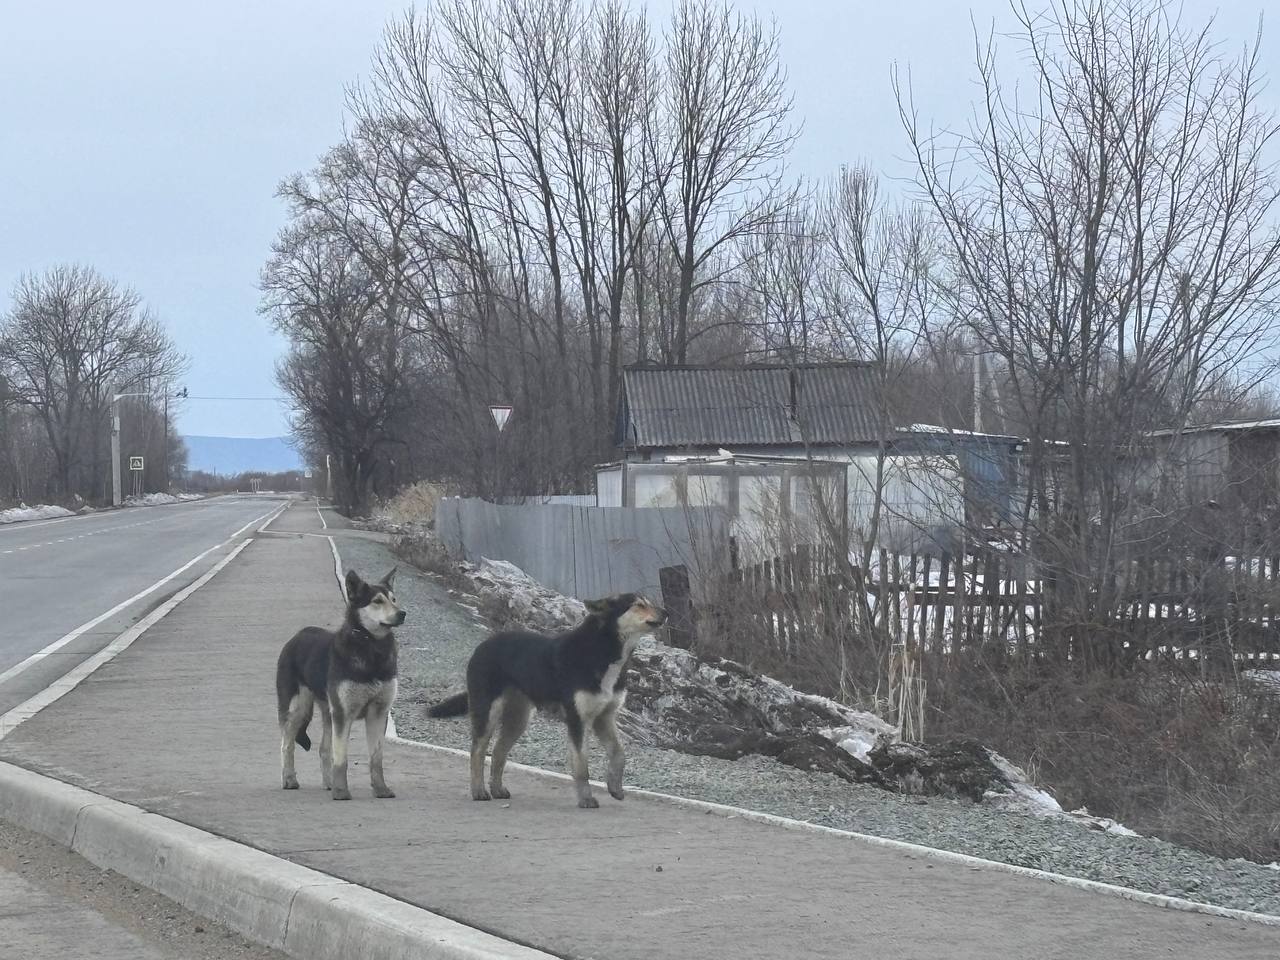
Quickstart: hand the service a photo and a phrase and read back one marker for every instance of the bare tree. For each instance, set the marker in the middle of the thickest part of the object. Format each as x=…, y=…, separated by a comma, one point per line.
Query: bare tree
x=71, y=338
x=1113, y=243
x=345, y=373
x=727, y=109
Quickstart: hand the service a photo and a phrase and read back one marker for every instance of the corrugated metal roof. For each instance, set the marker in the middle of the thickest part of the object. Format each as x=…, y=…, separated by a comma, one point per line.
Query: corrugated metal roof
x=1228, y=426
x=766, y=405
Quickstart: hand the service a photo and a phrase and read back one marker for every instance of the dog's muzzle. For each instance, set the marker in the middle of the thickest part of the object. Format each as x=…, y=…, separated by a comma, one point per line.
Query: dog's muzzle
x=659, y=620
x=400, y=618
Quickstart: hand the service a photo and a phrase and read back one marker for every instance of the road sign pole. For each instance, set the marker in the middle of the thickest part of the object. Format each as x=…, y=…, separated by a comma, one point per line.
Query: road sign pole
x=500, y=414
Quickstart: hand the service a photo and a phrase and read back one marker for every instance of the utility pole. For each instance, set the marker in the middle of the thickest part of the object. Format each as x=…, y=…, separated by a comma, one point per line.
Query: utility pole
x=977, y=393
x=115, y=449
x=180, y=395
x=115, y=439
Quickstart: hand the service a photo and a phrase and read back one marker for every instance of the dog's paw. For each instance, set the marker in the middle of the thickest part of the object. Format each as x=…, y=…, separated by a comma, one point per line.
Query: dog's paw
x=500, y=793
x=480, y=794
x=384, y=793
x=341, y=794
x=588, y=803
x=291, y=783
x=617, y=793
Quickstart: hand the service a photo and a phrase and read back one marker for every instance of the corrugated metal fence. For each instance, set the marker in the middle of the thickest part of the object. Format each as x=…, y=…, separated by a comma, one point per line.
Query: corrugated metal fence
x=586, y=552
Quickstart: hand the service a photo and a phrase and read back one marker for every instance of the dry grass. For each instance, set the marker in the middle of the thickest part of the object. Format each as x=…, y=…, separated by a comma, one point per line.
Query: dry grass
x=1194, y=762
x=429, y=555
x=414, y=504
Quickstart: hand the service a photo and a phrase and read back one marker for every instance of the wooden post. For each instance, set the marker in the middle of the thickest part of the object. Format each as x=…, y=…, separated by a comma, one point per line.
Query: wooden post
x=676, y=598
x=940, y=604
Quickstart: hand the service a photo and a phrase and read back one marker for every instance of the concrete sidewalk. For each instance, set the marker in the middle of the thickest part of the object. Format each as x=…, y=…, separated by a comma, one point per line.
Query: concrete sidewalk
x=183, y=724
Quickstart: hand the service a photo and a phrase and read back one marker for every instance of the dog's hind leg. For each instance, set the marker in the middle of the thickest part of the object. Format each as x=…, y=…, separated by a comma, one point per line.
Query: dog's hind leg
x=326, y=744
x=578, y=759
x=341, y=733
x=484, y=715
x=606, y=728
x=294, y=719
x=375, y=730
x=515, y=717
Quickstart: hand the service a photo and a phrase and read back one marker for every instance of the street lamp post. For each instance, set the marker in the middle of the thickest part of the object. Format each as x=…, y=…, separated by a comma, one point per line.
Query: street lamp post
x=115, y=440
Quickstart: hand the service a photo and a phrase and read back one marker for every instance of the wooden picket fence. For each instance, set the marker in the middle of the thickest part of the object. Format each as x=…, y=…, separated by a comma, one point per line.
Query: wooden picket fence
x=930, y=602
x=940, y=604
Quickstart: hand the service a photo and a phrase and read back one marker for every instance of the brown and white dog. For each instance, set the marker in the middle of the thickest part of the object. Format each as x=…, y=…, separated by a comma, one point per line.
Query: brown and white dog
x=351, y=674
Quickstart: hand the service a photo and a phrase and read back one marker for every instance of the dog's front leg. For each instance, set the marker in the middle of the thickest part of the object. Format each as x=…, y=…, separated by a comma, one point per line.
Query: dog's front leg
x=288, y=776
x=606, y=728
x=341, y=733
x=578, y=759
x=375, y=729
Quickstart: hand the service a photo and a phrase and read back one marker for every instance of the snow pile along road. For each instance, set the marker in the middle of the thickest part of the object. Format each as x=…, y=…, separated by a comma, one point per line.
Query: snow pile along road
x=160, y=499
x=22, y=513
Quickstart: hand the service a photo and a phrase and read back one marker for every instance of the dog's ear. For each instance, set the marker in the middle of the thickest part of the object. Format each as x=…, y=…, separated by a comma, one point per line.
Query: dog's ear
x=389, y=580
x=354, y=585
x=598, y=606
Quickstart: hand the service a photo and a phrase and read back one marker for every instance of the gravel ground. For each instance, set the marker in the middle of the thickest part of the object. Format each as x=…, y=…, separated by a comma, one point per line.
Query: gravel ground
x=441, y=633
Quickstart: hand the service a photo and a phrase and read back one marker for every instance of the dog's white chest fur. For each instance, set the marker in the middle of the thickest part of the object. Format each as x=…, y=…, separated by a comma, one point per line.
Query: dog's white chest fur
x=591, y=703
x=356, y=698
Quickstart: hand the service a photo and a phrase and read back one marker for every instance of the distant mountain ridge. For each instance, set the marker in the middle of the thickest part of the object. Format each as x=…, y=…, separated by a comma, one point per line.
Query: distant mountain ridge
x=232, y=455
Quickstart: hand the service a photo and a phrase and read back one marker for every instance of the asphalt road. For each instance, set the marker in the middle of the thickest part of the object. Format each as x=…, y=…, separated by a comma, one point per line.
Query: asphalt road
x=58, y=576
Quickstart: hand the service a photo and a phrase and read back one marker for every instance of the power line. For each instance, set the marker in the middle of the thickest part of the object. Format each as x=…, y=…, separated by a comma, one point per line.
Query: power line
x=276, y=399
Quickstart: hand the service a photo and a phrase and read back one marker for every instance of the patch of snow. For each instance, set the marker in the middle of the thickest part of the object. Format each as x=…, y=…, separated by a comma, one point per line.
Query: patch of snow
x=22, y=513
x=856, y=740
x=1024, y=797
x=160, y=499
x=1270, y=679
x=530, y=601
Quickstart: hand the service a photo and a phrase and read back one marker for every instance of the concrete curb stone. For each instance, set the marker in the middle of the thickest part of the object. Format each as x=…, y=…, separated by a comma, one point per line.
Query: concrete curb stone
x=278, y=903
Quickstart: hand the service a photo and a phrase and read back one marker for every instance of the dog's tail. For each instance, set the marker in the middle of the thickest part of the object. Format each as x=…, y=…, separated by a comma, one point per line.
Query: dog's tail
x=287, y=687
x=454, y=706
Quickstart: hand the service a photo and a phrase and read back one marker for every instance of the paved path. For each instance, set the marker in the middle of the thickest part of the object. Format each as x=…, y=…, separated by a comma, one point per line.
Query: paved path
x=57, y=575
x=182, y=723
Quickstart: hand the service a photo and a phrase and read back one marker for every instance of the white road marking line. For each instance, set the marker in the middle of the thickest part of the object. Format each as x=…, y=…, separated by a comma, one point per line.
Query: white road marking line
x=94, y=533
x=320, y=514
x=337, y=569
x=263, y=528
x=69, y=681
x=61, y=642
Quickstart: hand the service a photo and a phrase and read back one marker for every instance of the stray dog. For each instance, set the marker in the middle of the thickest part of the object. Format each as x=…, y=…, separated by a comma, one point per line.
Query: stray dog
x=351, y=673
x=578, y=674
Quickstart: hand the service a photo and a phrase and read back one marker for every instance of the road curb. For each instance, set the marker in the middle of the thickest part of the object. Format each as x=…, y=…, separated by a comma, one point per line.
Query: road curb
x=276, y=902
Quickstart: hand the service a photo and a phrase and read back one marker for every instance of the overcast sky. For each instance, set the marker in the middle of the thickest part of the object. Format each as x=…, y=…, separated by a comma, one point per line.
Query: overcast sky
x=146, y=138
